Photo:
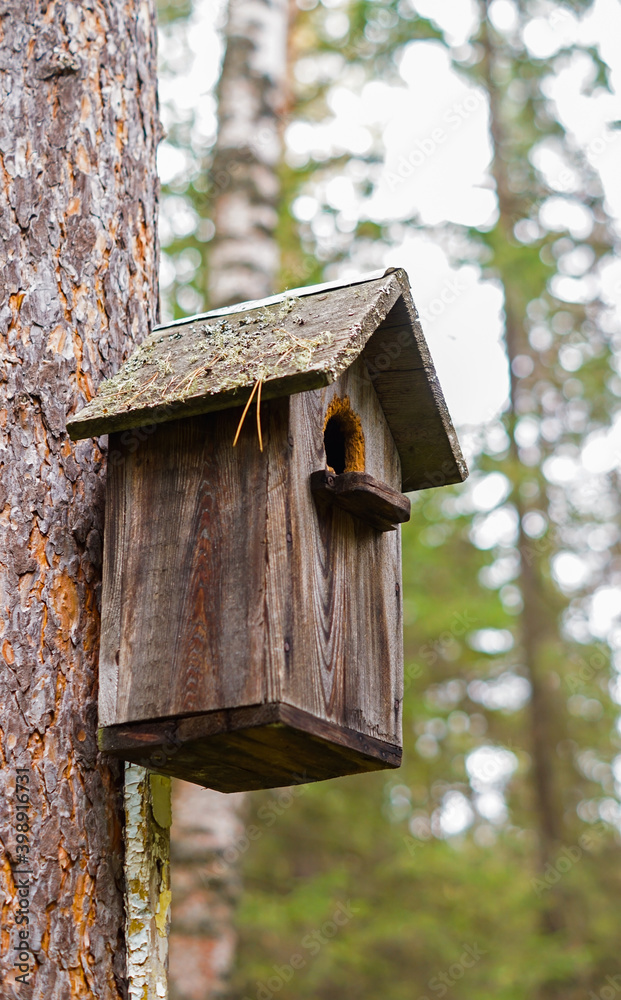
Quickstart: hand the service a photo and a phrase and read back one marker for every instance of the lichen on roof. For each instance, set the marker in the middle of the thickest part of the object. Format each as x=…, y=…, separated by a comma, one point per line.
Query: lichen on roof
x=289, y=344
x=222, y=355
x=212, y=361
x=284, y=345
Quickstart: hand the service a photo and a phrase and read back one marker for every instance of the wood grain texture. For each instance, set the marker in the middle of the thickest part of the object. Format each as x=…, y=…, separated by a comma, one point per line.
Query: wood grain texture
x=346, y=656
x=225, y=588
x=293, y=345
x=249, y=748
x=184, y=572
x=362, y=496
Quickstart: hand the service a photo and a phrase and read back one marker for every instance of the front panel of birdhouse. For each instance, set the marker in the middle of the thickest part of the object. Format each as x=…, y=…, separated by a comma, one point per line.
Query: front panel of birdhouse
x=252, y=637
x=345, y=575
x=251, y=607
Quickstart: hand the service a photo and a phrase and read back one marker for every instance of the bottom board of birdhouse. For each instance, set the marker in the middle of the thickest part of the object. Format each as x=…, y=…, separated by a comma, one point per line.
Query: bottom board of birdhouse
x=263, y=746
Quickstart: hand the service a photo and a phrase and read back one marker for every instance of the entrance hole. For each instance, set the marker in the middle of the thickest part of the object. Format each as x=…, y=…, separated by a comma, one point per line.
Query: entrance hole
x=343, y=438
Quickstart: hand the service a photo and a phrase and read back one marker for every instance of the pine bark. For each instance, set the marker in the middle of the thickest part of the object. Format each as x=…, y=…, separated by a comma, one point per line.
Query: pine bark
x=78, y=286
x=207, y=834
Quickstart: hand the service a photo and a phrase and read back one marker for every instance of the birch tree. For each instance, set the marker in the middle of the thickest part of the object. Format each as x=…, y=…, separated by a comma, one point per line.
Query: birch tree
x=78, y=259
x=252, y=109
x=243, y=263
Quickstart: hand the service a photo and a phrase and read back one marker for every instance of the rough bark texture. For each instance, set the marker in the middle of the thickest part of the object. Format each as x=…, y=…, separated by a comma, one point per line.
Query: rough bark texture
x=243, y=264
x=244, y=258
x=78, y=134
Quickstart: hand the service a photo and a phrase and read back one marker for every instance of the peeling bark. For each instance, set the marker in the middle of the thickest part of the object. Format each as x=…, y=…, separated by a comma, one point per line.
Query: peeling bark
x=78, y=287
x=147, y=879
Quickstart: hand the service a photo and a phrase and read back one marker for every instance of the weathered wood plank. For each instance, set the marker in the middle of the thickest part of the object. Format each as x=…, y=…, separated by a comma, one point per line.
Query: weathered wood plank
x=116, y=542
x=363, y=496
x=257, y=747
x=279, y=540
x=189, y=549
x=346, y=658
x=207, y=364
x=294, y=345
x=234, y=594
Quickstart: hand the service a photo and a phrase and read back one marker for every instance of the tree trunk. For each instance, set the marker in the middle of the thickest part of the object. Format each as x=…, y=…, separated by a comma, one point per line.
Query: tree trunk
x=243, y=256
x=206, y=845
x=536, y=615
x=147, y=881
x=207, y=835
x=78, y=284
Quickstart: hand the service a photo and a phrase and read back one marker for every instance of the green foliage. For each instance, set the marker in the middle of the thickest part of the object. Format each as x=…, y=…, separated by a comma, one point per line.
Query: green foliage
x=542, y=908
x=170, y=11
x=500, y=655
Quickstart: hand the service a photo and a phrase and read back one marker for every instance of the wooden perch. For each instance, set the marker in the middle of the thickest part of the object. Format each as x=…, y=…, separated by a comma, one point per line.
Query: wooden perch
x=363, y=496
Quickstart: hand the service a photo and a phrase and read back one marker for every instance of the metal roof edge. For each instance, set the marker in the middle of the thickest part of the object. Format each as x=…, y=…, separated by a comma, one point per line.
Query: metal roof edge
x=290, y=293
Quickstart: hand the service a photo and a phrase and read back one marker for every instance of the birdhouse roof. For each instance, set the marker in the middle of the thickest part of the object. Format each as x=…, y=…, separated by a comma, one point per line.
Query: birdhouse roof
x=300, y=340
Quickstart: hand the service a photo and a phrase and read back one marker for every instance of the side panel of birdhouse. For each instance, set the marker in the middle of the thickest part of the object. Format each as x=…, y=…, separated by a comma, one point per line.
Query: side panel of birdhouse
x=338, y=650
x=184, y=573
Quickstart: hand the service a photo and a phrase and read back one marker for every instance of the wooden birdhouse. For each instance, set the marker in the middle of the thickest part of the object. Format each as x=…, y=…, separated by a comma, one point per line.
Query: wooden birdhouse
x=251, y=609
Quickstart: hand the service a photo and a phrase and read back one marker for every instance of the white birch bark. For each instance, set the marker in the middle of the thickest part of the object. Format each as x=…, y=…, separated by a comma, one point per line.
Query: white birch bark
x=243, y=264
x=147, y=882
x=244, y=259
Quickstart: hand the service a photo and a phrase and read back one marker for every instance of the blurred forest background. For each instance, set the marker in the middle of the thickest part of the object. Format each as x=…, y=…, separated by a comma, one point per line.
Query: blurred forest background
x=488, y=866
